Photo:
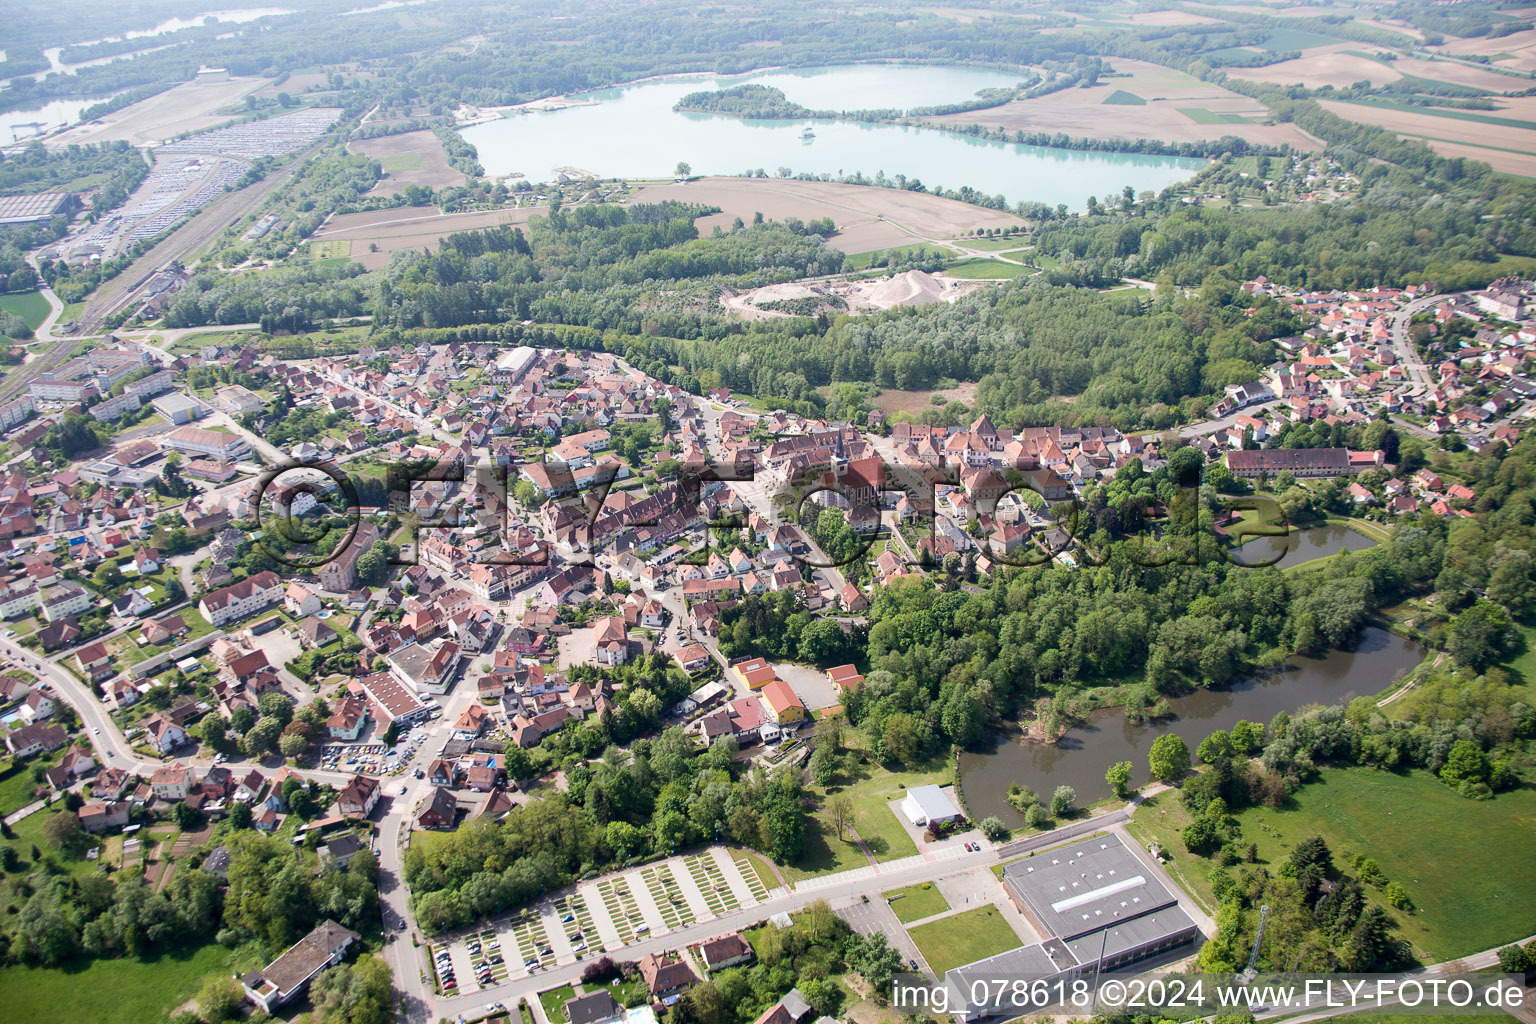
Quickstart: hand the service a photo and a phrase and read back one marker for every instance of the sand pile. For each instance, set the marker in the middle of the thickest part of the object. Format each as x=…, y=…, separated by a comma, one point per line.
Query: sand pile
x=913, y=288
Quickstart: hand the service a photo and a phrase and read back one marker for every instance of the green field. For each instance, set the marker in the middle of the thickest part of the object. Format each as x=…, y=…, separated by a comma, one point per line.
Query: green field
x=870, y=790
x=860, y=260
x=916, y=902
x=961, y=939
x=330, y=250
x=1122, y=98
x=30, y=306
x=126, y=991
x=979, y=268
x=1294, y=39
x=1453, y=855
x=992, y=244
x=1200, y=115
x=401, y=162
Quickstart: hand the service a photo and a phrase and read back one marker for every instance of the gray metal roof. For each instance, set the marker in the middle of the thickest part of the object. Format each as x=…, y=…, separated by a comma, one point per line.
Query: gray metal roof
x=1096, y=883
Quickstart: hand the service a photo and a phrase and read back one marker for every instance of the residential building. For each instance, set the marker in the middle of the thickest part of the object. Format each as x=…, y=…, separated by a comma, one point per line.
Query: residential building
x=786, y=709
x=247, y=597
x=665, y=975
x=440, y=811
x=359, y=797
x=285, y=978
x=726, y=951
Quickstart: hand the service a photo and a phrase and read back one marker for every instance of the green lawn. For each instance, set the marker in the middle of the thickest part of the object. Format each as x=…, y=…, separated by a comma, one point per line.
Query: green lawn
x=625, y=993
x=964, y=938
x=554, y=1002
x=861, y=260
x=30, y=306
x=978, y=268
x=764, y=872
x=870, y=790
x=1453, y=855
x=127, y=991
x=17, y=784
x=916, y=902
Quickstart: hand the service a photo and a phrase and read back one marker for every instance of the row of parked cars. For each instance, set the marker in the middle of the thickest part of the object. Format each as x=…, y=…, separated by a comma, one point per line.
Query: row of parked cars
x=485, y=957
x=444, y=965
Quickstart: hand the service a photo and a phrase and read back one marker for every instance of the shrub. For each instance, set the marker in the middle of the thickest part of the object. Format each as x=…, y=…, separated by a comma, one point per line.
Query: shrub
x=600, y=969
x=994, y=829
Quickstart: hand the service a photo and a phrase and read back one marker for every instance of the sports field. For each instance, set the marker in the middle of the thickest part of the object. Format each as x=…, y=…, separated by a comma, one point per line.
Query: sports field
x=30, y=306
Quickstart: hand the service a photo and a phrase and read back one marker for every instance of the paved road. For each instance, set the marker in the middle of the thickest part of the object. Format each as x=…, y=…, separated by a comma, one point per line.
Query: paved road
x=1407, y=354
x=112, y=748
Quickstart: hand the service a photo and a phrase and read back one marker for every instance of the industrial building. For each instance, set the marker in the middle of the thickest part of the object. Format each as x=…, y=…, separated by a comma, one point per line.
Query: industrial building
x=1100, y=909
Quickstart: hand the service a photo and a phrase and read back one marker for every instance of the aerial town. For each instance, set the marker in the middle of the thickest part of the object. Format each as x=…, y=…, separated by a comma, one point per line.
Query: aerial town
x=565, y=522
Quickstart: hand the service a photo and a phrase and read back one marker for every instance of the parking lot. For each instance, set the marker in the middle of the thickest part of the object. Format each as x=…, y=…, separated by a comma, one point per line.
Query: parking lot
x=601, y=916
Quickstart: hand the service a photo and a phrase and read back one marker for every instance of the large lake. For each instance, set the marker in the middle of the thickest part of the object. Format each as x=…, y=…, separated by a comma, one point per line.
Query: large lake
x=1085, y=753
x=632, y=131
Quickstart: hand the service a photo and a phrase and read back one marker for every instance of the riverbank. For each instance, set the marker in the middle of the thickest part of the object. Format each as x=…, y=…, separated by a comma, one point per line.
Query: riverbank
x=1080, y=755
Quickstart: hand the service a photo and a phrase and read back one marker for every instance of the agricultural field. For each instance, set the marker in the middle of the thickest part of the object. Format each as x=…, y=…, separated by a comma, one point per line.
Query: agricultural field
x=374, y=235
x=1515, y=52
x=1092, y=112
x=867, y=218
x=335, y=249
x=1464, y=902
x=411, y=158
x=1464, y=133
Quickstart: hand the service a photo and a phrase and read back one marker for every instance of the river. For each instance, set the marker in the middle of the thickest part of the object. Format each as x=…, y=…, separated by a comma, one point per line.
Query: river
x=1086, y=752
x=631, y=131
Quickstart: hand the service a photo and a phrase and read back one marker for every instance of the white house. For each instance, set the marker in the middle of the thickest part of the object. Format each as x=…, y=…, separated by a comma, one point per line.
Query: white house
x=300, y=601
x=925, y=805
